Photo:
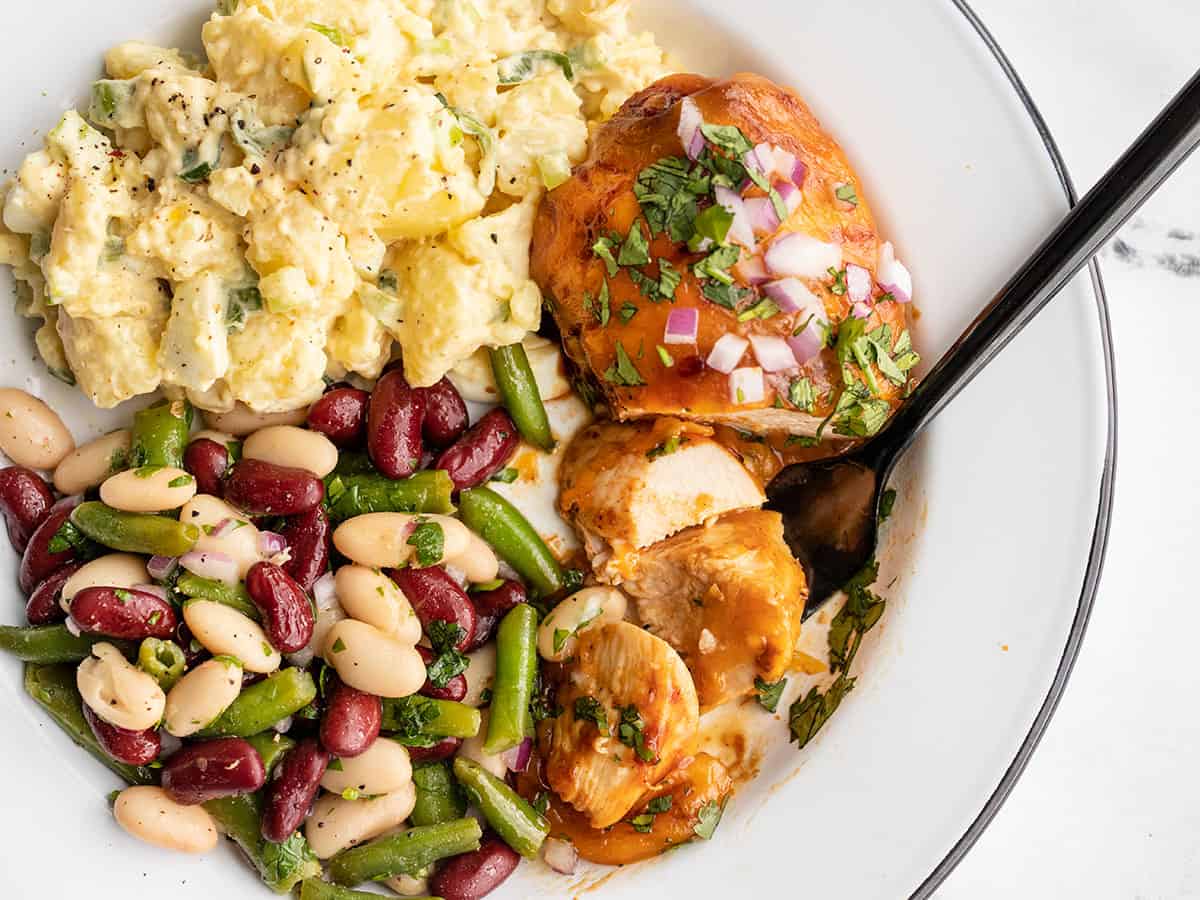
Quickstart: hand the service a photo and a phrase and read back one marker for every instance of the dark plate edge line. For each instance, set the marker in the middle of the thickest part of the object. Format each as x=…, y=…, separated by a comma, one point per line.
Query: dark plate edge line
x=1100, y=532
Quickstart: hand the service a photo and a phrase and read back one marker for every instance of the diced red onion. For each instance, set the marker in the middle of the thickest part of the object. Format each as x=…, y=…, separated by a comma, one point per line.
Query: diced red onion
x=689, y=132
x=161, y=567
x=560, y=855
x=325, y=592
x=858, y=283
x=892, y=274
x=217, y=566
x=756, y=162
x=762, y=215
x=790, y=195
x=727, y=353
x=752, y=270
x=517, y=759
x=770, y=160
x=683, y=324
x=270, y=543
x=807, y=344
x=772, y=353
x=740, y=231
x=284, y=725
x=746, y=385
x=799, y=172
x=224, y=528
x=792, y=296
x=861, y=310
x=802, y=256
x=156, y=589
x=73, y=626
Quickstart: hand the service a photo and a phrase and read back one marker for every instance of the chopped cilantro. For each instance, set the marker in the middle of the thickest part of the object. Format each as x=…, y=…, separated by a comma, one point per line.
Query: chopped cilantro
x=589, y=709
x=801, y=395
x=338, y=646
x=628, y=311
x=181, y=481
x=623, y=371
x=714, y=223
x=631, y=733
x=522, y=67
x=443, y=635
x=667, y=447
x=763, y=309
x=668, y=278
x=334, y=34
x=847, y=194
x=642, y=823
x=708, y=820
x=601, y=307
x=838, y=288
x=728, y=138
x=448, y=665
x=541, y=802
x=730, y=296
x=768, y=695
x=666, y=358
x=429, y=541
x=635, y=251
x=660, y=804
x=603, y=248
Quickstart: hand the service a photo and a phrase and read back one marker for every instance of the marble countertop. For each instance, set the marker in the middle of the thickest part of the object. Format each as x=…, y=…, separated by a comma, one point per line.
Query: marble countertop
x=1108, y=807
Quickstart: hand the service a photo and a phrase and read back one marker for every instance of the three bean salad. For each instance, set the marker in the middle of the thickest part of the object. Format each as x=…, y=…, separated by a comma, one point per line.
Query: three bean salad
x=316, y=633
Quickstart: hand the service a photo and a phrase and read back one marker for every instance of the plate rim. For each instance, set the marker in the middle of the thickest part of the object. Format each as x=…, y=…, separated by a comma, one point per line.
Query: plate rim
x=1101, y=529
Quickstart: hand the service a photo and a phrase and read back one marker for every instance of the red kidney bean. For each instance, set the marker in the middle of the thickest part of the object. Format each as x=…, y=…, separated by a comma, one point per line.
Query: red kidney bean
x=123, y=613
x=351, y=721
x=134, y=748
x=445, y=414
x=261, y=488
x=38, y=561
x=307, y=537
x=207, y=461
x=286, y=612
x=290, y=796
x=193, y=652
x=481, y=452
x=455, y=689
x=491, y=606
x=435, y=595
x=394, y=421
x=341, y=415
x=205, y=771
x=443, y=749
x=471, y=876
x=43, y=607
x=25, y=501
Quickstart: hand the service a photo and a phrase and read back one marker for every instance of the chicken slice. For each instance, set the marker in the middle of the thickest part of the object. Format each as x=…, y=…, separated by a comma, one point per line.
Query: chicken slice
x=625, y=678
x=627, y=486
x=729, y=596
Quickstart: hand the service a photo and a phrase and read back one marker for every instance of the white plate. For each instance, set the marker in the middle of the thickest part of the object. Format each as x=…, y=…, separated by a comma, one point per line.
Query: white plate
x=1003, y=506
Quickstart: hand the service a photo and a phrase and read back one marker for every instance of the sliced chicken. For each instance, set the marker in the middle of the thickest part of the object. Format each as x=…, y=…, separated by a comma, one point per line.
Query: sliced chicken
x=620, y=676
x=729, y=596
x=627, y=486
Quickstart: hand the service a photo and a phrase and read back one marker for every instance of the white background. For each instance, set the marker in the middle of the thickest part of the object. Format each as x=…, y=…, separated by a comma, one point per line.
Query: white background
x=1110, y=805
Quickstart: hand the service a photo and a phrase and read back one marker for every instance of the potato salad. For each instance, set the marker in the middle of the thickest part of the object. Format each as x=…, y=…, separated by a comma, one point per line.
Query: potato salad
x=338, y=183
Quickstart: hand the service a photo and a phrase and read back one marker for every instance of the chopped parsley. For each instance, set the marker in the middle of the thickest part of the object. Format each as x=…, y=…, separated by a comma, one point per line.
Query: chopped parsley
x=429, y=541
x=338, y=646
x=407, y=718
x=768, y=695
x=69, y=537
x=623, y=371
x=589, y=709
x=181, y=481
x=444, y=635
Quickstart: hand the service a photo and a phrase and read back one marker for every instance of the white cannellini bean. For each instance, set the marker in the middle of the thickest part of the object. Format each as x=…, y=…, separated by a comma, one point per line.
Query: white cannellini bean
x=297, y=448
x=382, y=769
x=201, y=695
x=479, y=562
x=480, y=674
x=226, y=632
x=472, y=748
x=31, y=433
x=88, y=466
x=148, y=490
x=589, y=608
x=120, y=570
x=149, y=814
x=221, y=437
x=408, y=886
x=241, y=420
x=240, y=543
x=119, y=692
x=370, y=596
x=380, y=540
x=336, y=823
x=371, y=661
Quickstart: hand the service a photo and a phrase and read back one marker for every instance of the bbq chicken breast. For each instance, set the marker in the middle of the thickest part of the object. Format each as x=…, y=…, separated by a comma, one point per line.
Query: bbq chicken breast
x=715, y=258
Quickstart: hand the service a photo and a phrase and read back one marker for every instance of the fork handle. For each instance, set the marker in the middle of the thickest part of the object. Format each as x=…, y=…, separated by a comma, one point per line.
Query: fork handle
x=1160, y=149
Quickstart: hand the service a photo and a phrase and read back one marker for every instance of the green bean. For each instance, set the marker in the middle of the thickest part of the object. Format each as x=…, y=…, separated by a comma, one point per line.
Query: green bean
x=501, y=524
x=510, y=721
x=315, y=889
x=134, y=532
x=509, y=814
x=348, y=496
x=163, y=661
x=49, y=644
x=422, y=721
x=405, y=852
x=271, y=746
x=234, y=596
x=160, y=434
x=282, y=866
x=520, y=394
x=261, y=705
x=354, y=462
x=438, y=796
x=53, y=688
